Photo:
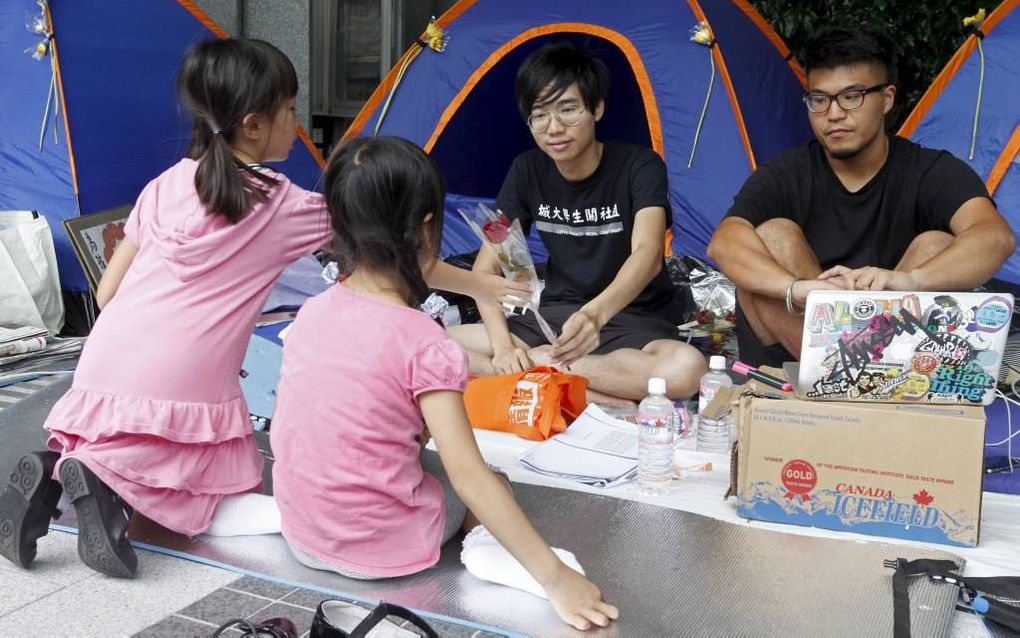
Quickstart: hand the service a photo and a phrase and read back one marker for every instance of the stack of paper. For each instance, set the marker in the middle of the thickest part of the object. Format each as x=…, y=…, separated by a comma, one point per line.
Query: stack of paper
x=14, y=341
x=596, y=450
x=24, y=349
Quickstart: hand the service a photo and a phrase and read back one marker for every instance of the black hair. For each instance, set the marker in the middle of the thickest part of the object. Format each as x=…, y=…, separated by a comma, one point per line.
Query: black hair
x=549, y=71
x=832, y=47
x=379, y=191
x=220, y=82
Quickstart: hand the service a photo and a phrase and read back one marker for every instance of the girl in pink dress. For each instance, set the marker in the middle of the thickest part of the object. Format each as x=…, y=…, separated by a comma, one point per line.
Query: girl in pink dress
x=155, y=420
x=362, y=369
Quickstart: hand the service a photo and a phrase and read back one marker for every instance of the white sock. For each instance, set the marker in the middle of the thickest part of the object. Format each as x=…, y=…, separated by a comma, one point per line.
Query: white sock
x=485, y=558
x=245, y=515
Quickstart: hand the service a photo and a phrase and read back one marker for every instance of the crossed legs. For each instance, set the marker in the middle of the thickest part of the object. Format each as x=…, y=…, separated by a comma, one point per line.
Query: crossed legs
x=767, y=317
x=622, y=374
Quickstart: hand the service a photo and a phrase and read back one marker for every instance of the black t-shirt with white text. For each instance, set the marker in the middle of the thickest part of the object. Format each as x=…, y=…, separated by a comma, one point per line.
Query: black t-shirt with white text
x=917, y=189
x=586, y=226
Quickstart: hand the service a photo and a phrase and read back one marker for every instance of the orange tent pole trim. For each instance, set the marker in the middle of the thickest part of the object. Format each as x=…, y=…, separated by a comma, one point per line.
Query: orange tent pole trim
x=204, y=18
x=955, y=63
x=310, y=145
x=625, y=45
x=773, y=37
x=720, y=62
x=63, y=103
x=381, y=91
x=1009, y=153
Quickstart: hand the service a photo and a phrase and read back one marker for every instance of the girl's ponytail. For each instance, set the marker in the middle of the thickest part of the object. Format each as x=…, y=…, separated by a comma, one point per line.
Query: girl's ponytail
x=219, y=180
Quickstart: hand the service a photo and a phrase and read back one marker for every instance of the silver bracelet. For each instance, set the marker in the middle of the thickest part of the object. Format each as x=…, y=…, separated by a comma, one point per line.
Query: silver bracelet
x=789, y=298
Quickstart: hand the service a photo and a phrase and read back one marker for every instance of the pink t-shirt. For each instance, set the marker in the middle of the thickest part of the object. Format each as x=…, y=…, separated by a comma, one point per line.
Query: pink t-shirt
x=347, y=478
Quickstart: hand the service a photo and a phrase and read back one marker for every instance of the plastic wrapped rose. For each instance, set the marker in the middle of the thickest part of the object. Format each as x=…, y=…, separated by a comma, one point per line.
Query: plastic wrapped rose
x=506, y=239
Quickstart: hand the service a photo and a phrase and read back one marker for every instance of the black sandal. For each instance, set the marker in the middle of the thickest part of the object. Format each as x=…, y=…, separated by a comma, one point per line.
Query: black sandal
x=269, y=628
x=27, y=505
x=325, y=627
x=102, y=522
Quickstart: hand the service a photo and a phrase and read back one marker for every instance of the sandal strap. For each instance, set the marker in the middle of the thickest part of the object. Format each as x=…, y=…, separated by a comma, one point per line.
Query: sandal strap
x=384, y=609
x=239, y=623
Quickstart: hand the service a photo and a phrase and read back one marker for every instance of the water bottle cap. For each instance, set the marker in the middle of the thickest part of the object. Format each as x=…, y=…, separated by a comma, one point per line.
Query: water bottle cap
x=656, y=385
x=717, y=362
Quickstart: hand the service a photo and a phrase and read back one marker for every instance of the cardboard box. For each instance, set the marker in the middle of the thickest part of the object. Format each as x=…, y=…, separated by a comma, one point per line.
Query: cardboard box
x=900, y=470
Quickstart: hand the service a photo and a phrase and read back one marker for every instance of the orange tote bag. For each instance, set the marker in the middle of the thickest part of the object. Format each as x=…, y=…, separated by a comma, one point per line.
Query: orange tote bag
x=535, y=404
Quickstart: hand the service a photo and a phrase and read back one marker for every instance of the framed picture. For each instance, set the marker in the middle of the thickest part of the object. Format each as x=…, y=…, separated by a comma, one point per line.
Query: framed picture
x=94, y=238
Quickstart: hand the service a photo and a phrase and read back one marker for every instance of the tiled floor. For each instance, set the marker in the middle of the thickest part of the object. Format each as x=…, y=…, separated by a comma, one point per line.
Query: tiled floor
x=256, y=600
x=58, y=596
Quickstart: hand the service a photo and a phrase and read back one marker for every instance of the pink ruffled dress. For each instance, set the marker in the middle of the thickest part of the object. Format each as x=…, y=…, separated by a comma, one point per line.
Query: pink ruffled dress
x=156, y=409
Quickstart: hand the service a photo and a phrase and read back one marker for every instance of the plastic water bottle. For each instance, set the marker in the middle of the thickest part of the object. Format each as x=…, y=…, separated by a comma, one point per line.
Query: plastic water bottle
x=713, y=434
x=655, y=440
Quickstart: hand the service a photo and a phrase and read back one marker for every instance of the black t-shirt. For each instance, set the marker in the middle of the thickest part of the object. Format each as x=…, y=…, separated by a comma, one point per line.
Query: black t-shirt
x=586, y=226
x=917, y=190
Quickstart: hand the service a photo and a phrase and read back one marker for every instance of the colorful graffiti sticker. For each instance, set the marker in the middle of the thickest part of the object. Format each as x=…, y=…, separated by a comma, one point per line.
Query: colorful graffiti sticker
x=951, y=349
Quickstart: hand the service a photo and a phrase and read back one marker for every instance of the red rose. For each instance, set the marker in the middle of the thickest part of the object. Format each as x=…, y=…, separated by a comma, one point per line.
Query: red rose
x=497, y=230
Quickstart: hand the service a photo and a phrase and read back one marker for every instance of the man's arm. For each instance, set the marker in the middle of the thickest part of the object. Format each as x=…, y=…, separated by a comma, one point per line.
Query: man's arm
x=982, y=241
x=742, y=256
x=580, y=333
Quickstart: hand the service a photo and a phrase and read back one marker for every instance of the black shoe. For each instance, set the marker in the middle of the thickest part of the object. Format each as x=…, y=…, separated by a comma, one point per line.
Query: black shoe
x=102, y=522
x=27, y=505
x=269, y=628
x=341, y=619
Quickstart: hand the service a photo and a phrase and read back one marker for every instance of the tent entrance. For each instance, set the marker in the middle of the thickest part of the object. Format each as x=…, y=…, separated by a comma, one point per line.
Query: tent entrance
x=486, y=132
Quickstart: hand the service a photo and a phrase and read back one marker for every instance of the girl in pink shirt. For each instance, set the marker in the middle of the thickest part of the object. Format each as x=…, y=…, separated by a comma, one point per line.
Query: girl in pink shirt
x=362, y=370
x=155, y=420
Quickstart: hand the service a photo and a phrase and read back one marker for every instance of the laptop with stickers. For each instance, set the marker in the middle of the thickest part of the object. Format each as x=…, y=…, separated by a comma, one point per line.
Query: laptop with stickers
x=917, y=347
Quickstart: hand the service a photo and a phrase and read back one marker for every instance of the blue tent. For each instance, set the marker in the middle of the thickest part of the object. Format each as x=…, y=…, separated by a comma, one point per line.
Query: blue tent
x=118, y=124
x=945, y=116
x=459, y=105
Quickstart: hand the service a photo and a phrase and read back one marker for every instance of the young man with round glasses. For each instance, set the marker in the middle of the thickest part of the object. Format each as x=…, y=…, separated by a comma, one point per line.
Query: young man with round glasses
x=854, y=209
x=601, y=210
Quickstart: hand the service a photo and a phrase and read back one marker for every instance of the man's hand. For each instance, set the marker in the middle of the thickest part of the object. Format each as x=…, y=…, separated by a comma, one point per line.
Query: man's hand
x=580, y=335
x=510, y=360
x=870, y=278
x=873, y=278
x=496, y=289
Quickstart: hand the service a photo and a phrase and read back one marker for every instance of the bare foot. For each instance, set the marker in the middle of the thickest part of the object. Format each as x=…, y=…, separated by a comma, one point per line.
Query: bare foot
x=542, y=356
x=594, y=396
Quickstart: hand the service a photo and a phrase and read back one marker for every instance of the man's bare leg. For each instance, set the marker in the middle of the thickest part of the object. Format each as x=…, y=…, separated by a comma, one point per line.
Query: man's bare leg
x=624, y=373
x=767, y=317
x=474, y=339
x=924, y=247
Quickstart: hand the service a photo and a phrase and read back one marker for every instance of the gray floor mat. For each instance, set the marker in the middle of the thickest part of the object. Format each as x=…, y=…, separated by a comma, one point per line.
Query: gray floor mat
x=670, y=572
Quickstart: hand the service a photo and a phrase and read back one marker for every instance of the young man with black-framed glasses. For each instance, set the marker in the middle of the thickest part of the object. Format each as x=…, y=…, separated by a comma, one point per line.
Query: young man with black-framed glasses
x=854, y=209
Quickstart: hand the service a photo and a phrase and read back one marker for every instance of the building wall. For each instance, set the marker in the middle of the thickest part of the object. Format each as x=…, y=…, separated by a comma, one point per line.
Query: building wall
x=283, y=23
